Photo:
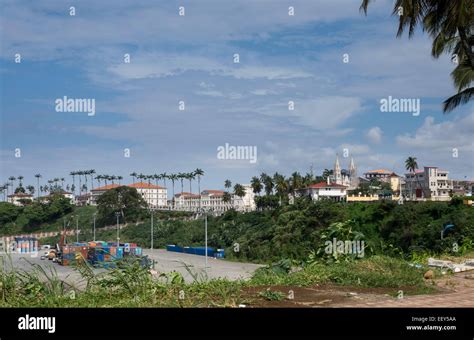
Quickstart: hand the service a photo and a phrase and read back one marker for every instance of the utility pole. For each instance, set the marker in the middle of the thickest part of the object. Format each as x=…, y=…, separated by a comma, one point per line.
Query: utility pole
x=205, y=237
x=77, y=228
x=118, y=229
x=151, y=231
x=94, y=224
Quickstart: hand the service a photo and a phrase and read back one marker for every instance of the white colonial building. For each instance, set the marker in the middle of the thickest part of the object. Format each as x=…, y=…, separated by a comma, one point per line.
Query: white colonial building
x=324, y=190
x=431, y=183
x=18, y=198
x=214, y=200
x=155, y=195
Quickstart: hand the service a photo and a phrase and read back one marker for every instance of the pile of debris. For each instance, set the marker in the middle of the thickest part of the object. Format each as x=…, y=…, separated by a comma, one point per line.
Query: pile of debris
x=455, y=267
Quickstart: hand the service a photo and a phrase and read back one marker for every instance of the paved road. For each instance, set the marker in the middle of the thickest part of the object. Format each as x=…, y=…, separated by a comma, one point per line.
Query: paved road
x=217, y=268
x=165, y=262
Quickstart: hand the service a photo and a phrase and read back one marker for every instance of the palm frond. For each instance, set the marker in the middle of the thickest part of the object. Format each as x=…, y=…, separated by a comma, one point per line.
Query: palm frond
x=458, y=99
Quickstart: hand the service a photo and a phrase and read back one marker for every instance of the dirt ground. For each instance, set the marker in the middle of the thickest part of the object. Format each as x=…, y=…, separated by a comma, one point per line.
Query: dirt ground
x=450, y=291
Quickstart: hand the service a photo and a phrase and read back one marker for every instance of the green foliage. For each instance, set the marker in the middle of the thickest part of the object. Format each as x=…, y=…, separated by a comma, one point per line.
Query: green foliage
x=272, y=295
x=125, y=200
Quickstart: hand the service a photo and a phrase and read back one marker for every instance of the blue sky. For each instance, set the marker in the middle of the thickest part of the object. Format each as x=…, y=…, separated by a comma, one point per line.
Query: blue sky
x=190, y=58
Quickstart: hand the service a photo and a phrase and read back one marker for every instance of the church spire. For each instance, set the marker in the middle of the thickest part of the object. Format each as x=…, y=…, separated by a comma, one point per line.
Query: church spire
x=337, y=171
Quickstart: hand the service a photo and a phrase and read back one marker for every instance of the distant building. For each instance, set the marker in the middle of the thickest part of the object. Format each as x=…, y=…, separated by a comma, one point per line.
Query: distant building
x=431, y=183
x=65, y=194
x=214, y=200
x=18, y=199
x=154, y=195
x=96, y=192
x=324, y=190
x=384, y=175
x=347, y=178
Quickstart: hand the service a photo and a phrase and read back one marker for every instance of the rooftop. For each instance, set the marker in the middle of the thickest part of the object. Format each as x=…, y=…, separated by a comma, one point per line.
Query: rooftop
x=106, y=187
x=325, y=185
x=143, y=185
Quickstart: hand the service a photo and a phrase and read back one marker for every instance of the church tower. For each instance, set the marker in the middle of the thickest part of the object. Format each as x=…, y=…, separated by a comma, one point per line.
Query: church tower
x=354, y=182
x=337, y=171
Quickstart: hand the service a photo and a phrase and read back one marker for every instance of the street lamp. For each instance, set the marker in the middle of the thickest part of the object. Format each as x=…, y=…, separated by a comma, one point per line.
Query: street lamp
x=77, y=228
x=205, y=211
x=152, y=209
x=117, y=214
x=94, y=215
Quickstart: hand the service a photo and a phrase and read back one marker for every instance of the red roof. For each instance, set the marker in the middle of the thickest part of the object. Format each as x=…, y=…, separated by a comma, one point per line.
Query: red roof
x=106, y=187
x=326, y=185
x=143, y=185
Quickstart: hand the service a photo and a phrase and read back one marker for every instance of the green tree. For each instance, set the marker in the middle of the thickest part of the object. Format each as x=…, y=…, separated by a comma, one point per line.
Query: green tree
x=123, y=199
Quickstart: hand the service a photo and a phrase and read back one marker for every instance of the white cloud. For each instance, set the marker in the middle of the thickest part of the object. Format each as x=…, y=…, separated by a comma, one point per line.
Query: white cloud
x=374, y=134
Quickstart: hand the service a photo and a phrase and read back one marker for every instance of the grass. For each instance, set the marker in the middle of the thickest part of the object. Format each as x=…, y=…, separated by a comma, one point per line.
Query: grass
x=134, y=286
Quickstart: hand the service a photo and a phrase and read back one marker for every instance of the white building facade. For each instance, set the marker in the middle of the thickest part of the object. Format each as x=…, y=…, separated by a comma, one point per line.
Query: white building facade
x=154, y=195
x=325, y=190
x=214, y=200
x=430, y=183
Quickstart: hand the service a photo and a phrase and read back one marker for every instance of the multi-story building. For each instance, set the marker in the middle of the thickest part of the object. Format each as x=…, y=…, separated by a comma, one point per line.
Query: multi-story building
x=324, y=190
x=214, y=200
x=65, y=194
x=96, y=192
x=384, y=175
x=155, y=195
x=19, y=198
x=431, y=183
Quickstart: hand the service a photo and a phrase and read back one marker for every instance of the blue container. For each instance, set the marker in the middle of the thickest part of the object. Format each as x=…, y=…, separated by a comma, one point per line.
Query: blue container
x=219, y=253
x=172, y=247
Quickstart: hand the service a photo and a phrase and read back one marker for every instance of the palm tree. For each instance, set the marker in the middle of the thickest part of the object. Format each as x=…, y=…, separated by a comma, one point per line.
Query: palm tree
x=80, y=173
x=173, y=178
x=134, y=175
x=119, y=179
x=181, y=177
x=98, y=178
x=281, y=185
x=296, y=182
x=189, y=176
x=449, y=24
x=164, y=176
x=267, y=183
x=227, y=184
x=31, y=189
x=199, y=172
x=92, y=173
x=38, y=176
x=73, y=174
x=239, y=190
x=12, y=180
x=411, y=165
x=62, y=183
x=226, y=198
x=256, y=185
x=20, y=179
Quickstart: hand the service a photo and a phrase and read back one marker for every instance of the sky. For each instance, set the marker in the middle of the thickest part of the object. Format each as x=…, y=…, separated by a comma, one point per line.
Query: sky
x=191, y=58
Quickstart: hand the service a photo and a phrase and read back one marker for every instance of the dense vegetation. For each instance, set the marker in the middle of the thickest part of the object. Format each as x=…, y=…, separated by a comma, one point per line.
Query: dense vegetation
x=31, y=217
x=294, y=231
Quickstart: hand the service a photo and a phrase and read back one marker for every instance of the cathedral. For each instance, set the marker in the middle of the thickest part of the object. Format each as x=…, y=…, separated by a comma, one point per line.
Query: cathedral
x=345, y=177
